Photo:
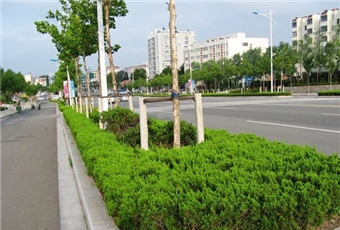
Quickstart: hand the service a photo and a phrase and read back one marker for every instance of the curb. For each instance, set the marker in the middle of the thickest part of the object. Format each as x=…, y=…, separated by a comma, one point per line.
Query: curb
x=91, y=200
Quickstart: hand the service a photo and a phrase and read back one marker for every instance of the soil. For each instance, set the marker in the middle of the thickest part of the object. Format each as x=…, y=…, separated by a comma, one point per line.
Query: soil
x=330, y=224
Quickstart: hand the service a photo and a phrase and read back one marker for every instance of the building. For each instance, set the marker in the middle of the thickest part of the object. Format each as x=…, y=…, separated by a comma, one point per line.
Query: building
x=159, y=52
x=116, y=69
x=312, y=24
x=41, y=80
x=29, y=78
x=222, y=47
x=130, y=69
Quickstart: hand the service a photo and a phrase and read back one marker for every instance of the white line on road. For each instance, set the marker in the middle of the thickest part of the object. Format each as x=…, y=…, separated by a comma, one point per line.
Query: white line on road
x=331, y=114
x=294, y=126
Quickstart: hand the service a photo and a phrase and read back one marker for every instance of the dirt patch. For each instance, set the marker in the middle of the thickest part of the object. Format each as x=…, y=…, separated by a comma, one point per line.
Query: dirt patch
x=330, y=224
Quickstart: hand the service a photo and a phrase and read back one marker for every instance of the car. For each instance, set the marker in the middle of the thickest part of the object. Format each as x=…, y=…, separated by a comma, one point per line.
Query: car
x=55, y=97
x=124, y=98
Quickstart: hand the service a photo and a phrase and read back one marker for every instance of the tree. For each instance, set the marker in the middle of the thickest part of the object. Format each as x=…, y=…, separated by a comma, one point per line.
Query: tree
x=211, y=73
x=228, y=70
x=112, y=9
x=306, y=55
x=11, y=83
x=67, y=40
x=139, y=73
x=176, y=127
x=285, y=59
x=332, y=54
x=122, y=76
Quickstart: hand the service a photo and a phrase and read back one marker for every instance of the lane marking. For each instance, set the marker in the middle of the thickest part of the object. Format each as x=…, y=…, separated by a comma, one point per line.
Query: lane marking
x=224, y=108
x=306, y=105
x=294, y=126
x=330, y=114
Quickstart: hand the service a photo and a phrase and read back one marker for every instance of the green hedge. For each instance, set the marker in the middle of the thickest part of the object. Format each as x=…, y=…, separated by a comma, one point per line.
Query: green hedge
x=329, y=93
x=251, y=94
x=227, y=182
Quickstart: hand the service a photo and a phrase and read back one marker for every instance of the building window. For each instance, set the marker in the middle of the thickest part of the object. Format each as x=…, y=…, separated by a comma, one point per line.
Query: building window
x=294, y=25
x=309, y=31
x=323, y=29
x=309, y=21
x=245, y=44
x=323, y=18
x=338, y=21
x=324, y=38
x=294, y=34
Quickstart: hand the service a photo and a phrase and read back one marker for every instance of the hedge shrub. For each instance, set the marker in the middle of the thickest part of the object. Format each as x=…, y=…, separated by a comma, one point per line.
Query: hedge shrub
x=329, y=93
x=227, y=182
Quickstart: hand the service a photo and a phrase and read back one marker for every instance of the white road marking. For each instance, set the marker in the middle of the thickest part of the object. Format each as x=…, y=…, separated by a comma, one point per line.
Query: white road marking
x=331, y=114
x=294, y=126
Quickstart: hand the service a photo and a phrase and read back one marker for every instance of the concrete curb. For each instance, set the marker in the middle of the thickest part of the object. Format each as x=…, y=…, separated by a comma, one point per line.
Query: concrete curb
x=70, y=209
x=92, y=202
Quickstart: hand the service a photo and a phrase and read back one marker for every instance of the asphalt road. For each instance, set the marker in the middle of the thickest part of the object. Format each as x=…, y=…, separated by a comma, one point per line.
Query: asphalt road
x=307, y=120
x=29, y=170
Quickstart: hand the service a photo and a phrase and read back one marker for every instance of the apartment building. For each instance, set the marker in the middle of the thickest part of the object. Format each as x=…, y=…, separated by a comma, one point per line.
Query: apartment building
x=314, y=23
x=222, y=47
x=159, y=52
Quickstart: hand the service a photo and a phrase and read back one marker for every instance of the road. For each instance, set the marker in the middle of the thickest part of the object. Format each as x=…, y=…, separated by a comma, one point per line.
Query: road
x=312, y=121
x=29, y=170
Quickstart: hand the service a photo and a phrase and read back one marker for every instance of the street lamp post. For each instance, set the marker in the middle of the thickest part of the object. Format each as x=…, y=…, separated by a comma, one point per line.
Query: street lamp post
x=190, y=69
x=269, y=16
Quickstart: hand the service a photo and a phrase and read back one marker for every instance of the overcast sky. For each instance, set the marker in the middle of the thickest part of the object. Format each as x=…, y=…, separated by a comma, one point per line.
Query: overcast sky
x=26, y=50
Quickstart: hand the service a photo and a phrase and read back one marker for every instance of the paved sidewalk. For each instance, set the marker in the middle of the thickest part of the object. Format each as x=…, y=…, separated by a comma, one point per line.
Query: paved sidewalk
x=81, y=205
x=11, y=110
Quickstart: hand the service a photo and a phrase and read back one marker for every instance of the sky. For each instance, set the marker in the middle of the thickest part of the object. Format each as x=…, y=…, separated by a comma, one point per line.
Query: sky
x=23, y=49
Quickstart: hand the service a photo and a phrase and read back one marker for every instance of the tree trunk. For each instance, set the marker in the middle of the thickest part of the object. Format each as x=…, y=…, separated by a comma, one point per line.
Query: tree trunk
x=108, y=42
x=87, y=77
x=80, y=89
x=173, y=45
x=88, y=95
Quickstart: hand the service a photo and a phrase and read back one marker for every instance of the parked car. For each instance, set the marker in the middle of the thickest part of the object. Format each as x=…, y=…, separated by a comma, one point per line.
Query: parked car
x=123, y=98
x=55, y=97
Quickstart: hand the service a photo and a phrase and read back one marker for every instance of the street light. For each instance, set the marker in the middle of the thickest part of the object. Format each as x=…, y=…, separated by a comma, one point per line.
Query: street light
x=190, y=69
x=269, y=16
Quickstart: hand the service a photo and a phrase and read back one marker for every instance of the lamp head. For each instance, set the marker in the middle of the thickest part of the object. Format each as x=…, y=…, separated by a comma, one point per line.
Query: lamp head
x=255, y=12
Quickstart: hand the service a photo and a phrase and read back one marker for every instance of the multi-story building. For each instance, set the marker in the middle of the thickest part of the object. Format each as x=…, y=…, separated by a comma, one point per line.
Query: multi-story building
x=29, y=78
x=222, y=47
x=130, y=69
x=315, y=24
x=159, y=52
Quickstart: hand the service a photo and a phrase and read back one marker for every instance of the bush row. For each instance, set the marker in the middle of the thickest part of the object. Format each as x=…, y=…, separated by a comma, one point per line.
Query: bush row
x=234, y=94
x=329, y=93
x=227, y=182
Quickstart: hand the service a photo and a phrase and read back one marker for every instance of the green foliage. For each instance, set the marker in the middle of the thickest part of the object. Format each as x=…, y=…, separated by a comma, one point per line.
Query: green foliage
x=11, y=82
x=125, y=125
x=95, y=116
x=227, y=182
x=329, y=93
x=253, y=93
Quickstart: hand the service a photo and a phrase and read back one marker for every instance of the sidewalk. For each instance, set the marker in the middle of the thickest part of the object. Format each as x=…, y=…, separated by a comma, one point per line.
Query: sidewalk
x=81, y=205
x=11, y=109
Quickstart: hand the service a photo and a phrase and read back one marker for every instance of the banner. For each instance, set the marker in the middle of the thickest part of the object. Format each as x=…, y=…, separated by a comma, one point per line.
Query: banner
x=73, y=92
x=65, y=89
